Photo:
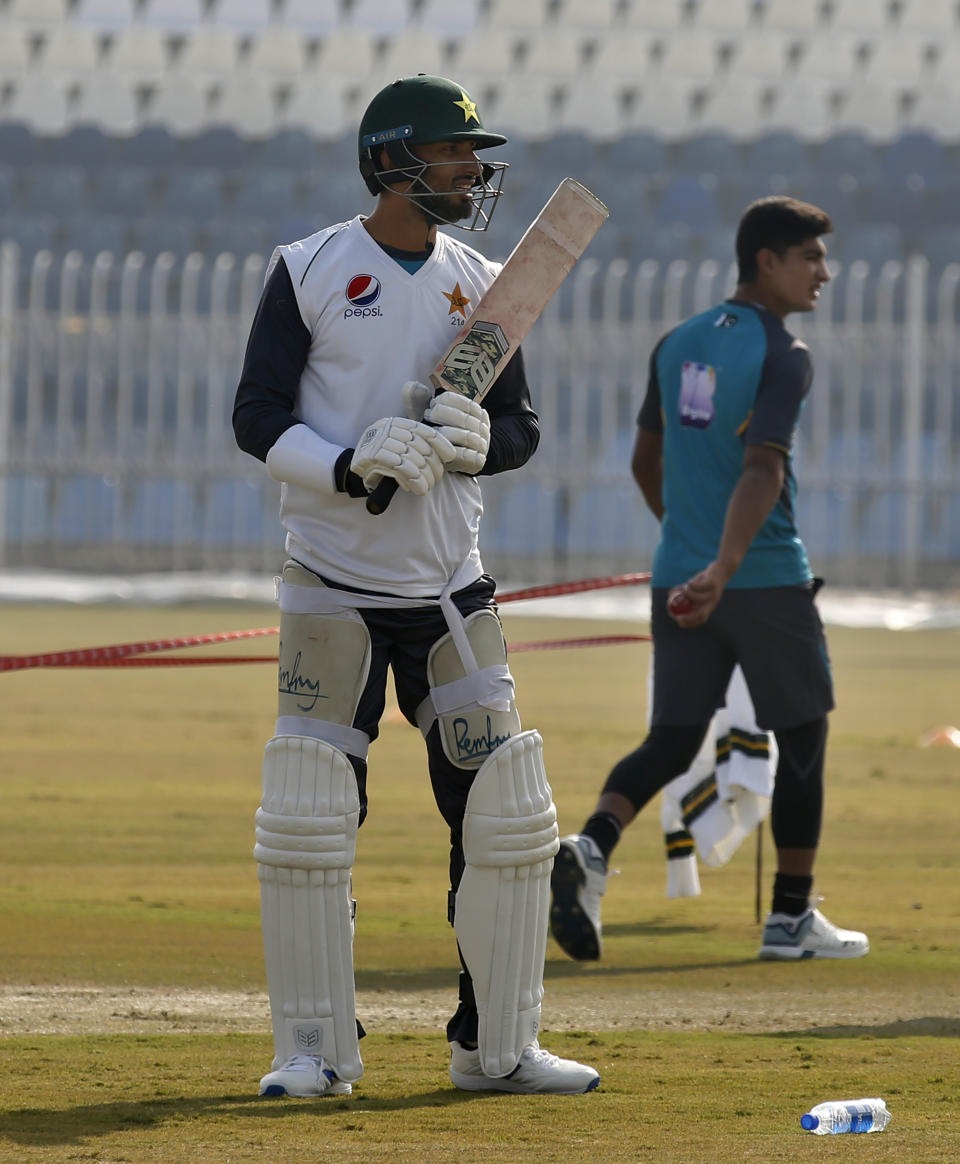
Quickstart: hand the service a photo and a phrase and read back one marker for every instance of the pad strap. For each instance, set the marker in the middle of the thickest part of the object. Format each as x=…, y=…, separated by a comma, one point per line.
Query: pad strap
x=345, y=739
x=491, y=687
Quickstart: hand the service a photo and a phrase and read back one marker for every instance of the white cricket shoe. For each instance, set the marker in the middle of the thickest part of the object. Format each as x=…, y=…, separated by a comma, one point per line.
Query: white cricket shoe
x=305, y=1077
x=810, y=935
x=577, y=883
x=538, y=1072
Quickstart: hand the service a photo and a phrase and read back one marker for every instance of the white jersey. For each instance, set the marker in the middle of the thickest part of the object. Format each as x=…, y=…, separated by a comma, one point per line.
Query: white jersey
x=374, y=326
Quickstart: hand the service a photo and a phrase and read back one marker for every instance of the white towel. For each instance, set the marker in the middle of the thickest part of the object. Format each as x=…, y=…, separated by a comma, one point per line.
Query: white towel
x=725, y=794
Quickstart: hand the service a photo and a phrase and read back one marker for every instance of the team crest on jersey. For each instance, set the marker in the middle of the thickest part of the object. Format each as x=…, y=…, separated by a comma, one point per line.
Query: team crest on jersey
x=362, y=292
x=458, y=301
x=698, y=382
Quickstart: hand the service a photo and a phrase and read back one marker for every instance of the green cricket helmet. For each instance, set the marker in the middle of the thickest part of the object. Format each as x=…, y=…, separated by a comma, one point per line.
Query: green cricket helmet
x=414, y=111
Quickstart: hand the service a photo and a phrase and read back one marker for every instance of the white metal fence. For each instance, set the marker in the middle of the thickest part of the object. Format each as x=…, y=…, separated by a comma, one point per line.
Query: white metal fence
x=116, y=450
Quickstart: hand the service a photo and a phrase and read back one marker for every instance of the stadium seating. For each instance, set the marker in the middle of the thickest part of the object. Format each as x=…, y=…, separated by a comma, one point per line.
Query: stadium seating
x=111, y=104
x=903, y=60
x=124, y=191
x=243, y=16
x=517, y=14
x=182, y=105
x=133, y=128
x=737, y=105
x=38, y=13
x=108, y=15
x=797, y=16
x=655, y=16
x=7, y=188
x=91, y=234
x=173, y=15
x=594, y=16
x=732, y=17
x=195, y=193
x=937, y=17
x=413, y=50
x=31, y=232
x=683, y=110
x=247, y=104
x=872, y=16
x=71, y=50
x=595, y=107
x=379, y=16
x=144, y=53
x=311, y=17
x=764, y=54
x=278, y=51
x=40, y=103
x=212, y=51
x=92, y=146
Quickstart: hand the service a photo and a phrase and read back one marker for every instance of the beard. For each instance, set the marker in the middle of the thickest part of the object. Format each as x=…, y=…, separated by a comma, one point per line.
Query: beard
x=444, y=207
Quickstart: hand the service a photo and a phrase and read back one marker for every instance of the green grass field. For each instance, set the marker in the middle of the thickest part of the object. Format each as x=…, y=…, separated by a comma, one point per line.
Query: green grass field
x=127, y=830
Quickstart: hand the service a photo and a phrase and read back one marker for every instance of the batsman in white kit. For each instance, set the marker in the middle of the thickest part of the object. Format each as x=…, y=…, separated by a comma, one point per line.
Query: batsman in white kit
x=333, y=399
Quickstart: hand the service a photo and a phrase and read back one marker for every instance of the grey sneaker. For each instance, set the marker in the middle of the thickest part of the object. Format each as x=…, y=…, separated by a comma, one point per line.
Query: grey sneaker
x=578, y=882
x=787, y=938
x=305, y=1077
x=538, y=1072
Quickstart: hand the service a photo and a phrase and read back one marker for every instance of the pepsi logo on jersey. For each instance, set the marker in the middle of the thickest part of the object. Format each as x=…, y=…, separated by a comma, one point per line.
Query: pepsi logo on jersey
x=362, y=292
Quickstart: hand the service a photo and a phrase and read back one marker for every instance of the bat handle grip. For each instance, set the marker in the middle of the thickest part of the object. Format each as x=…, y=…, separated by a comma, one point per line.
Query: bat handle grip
x=381, y=497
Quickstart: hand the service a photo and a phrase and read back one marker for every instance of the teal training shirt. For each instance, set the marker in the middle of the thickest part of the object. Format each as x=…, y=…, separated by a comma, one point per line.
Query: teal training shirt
x=727, y=378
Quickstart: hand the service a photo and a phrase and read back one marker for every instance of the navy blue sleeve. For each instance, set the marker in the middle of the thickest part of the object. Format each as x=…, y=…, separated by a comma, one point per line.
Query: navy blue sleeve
x=651, y=411
x=784, y=383
x=276, y=355
x=514, y=426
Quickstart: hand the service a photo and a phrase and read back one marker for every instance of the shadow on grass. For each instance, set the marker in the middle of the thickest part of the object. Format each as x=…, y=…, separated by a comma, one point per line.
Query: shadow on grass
x=570, y=969
x=941, y=1028
x=427, y=978
x=50, y=1127
x=442, y=977
x=652, y=929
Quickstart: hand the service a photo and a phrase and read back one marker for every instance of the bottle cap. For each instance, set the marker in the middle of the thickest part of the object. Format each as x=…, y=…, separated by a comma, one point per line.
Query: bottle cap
x=808, y=1122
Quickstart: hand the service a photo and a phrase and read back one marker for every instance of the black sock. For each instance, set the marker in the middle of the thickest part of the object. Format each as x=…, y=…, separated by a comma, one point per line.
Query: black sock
x=791, y=893
x=605, y=829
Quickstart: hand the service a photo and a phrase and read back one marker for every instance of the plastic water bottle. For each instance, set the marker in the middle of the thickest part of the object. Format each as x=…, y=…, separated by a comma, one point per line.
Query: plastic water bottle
x=846, y=1115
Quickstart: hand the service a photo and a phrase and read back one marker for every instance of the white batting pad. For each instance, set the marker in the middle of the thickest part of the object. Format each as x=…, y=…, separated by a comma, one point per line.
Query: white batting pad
x=306, y=841
x=510, y=838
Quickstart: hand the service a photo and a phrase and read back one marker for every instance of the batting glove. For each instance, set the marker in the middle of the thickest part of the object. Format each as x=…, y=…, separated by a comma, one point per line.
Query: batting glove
x=466, y=425
x=411, y=452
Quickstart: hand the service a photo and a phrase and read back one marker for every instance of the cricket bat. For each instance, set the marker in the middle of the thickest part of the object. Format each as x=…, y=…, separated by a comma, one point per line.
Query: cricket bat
x=514, y=301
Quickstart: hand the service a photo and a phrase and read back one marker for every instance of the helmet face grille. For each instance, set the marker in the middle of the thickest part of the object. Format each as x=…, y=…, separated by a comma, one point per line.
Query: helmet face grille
x=405, y=166
x=416, y=111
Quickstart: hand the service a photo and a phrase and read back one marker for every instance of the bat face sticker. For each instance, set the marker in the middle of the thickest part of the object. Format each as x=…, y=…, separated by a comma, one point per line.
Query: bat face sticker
x=471, y=366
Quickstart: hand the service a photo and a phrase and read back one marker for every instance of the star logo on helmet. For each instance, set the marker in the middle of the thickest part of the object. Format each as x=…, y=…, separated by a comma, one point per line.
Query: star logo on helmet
x=469, y=108
x=458, y=301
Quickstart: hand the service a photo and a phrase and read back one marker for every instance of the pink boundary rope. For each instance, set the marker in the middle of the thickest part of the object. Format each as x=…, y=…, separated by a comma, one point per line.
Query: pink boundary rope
x=131, y=654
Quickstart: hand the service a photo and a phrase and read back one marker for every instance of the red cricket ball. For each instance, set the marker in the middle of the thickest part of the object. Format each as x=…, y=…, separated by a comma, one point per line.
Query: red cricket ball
x=678, y=602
